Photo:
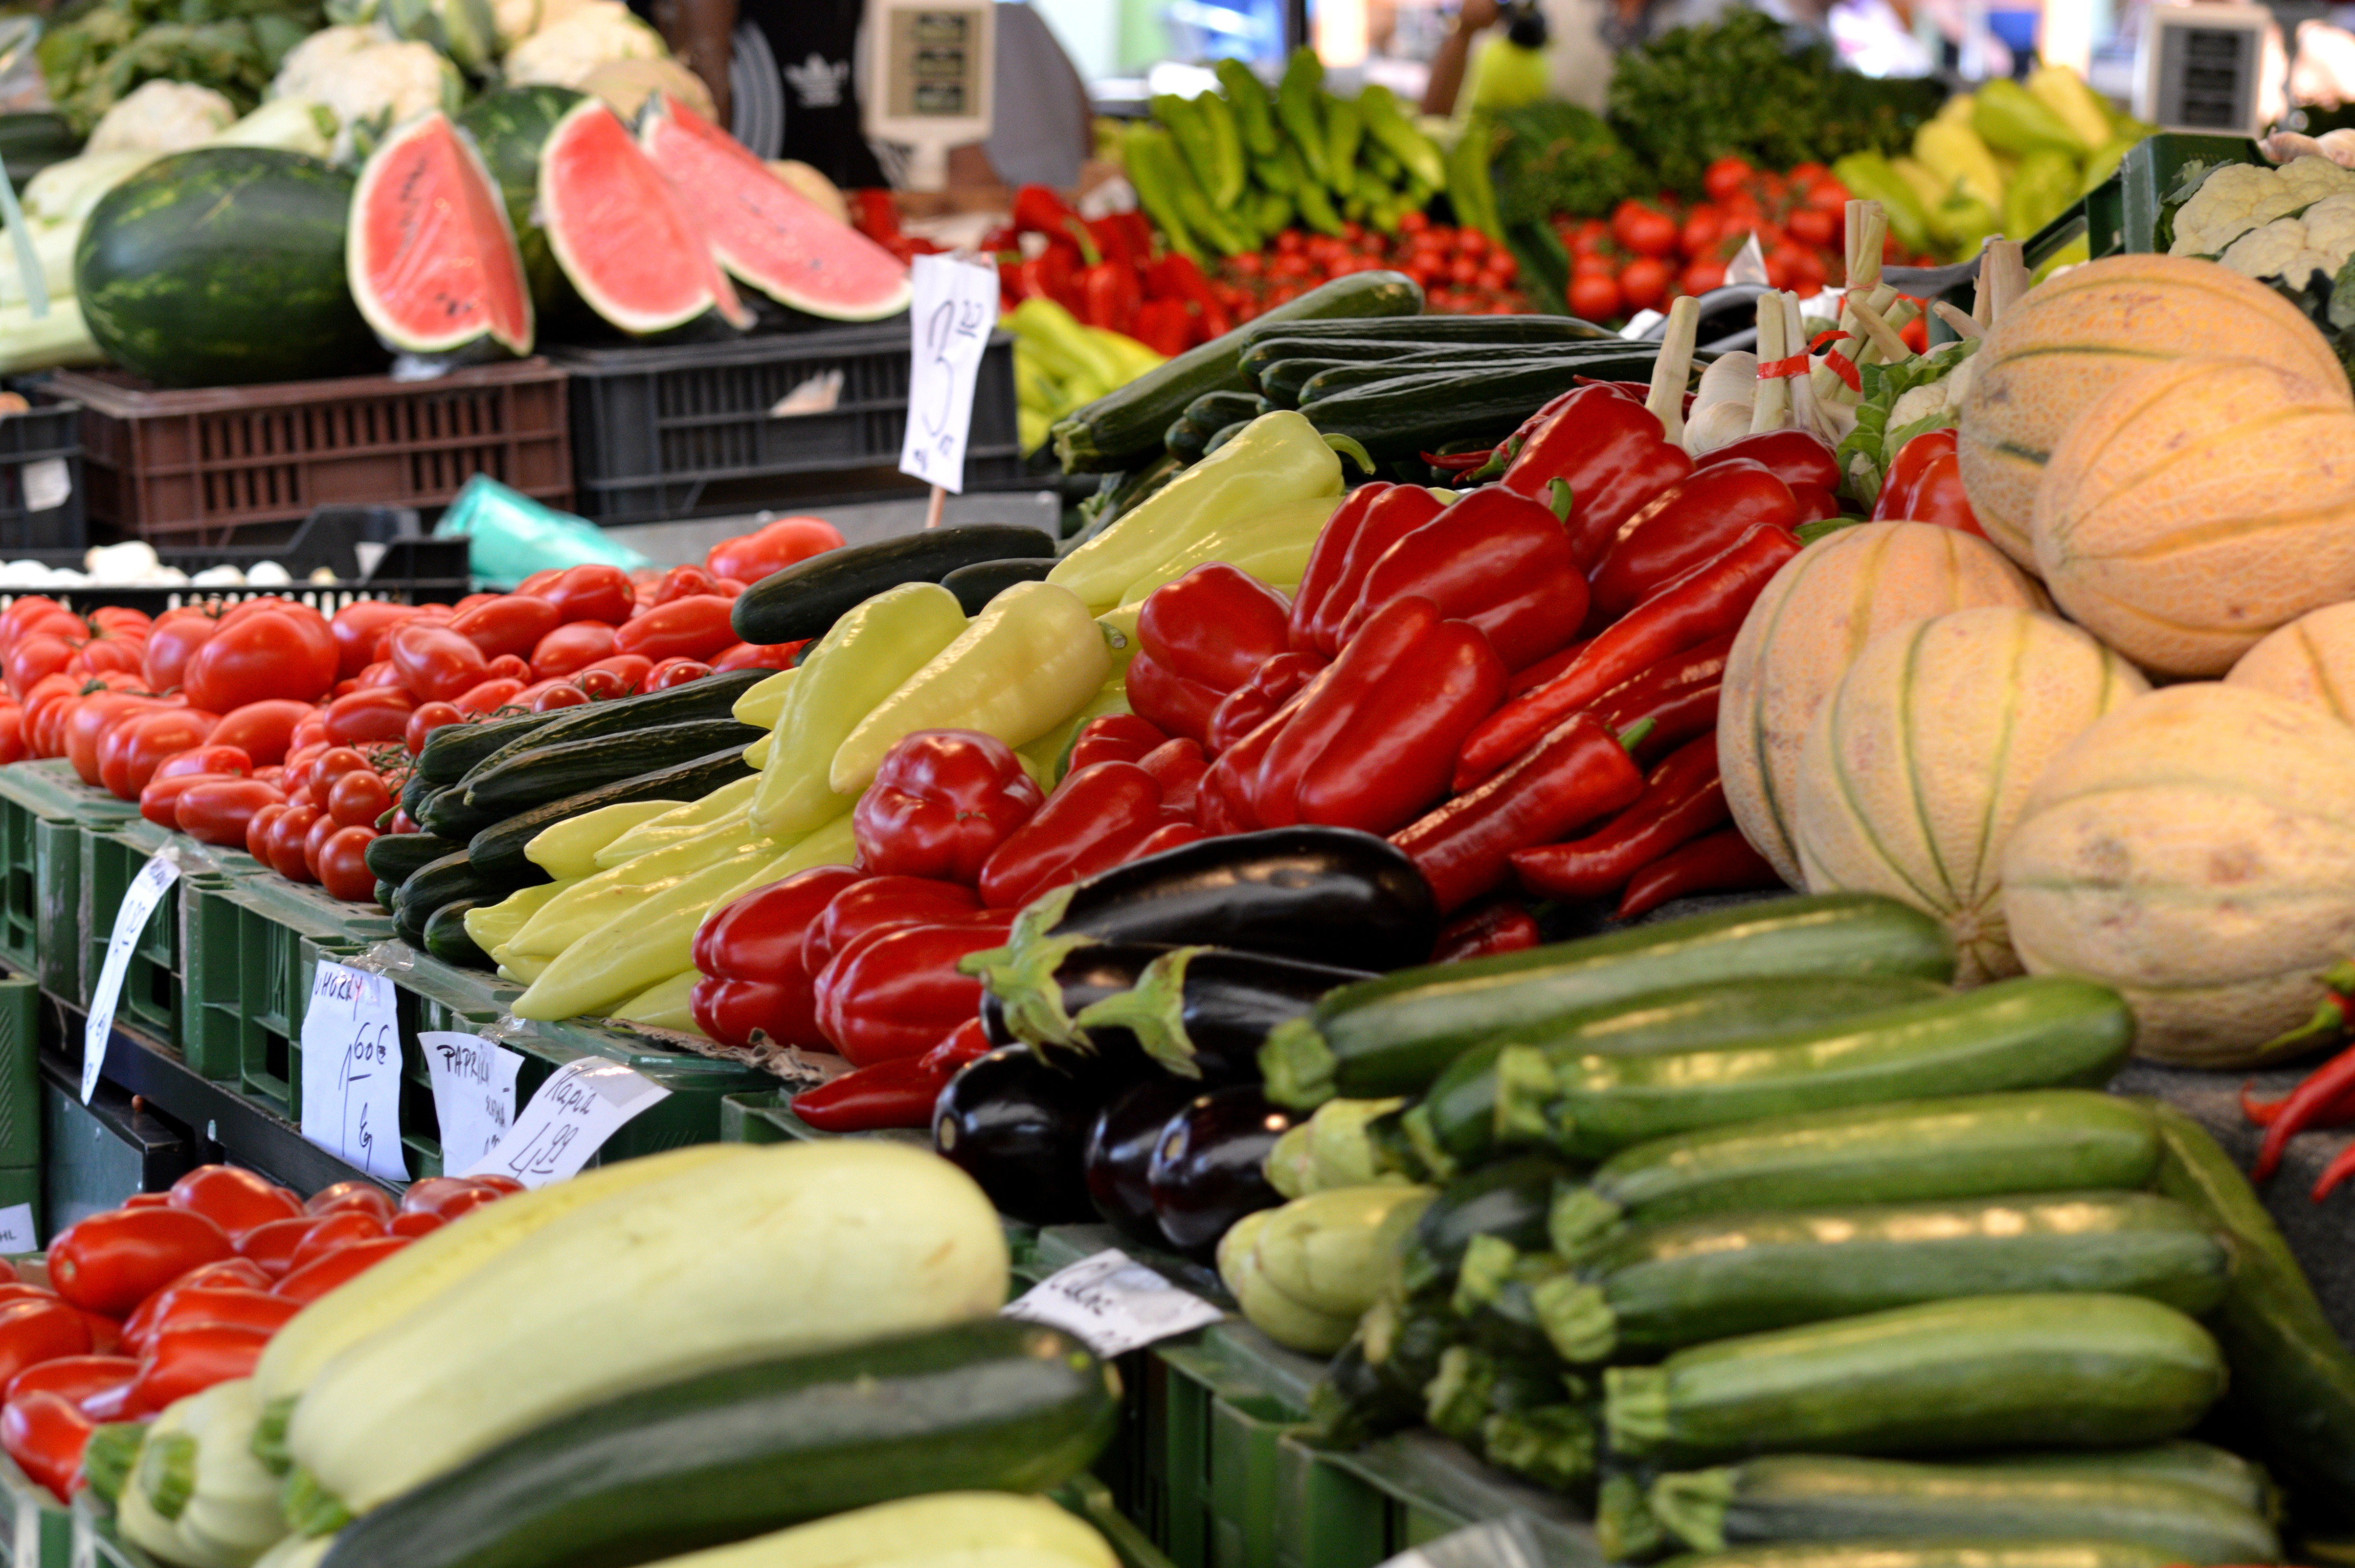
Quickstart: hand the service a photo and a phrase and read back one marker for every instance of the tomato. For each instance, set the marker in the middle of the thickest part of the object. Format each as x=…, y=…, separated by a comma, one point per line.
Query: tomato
x=89, y=723
x=428, y=718
x=339, y=1229
x=356, y=799
x=111, y=1262
x=257, y=830
x=343, y=864
x=370, y=716
x=572, y=647
x=486, y=696
x=191, y=1359
x=1814, y=226
x=77, y=1378
x=366, y=1196
x=676, y=673
x=435, y=662
x=309, y=624
x=43, y=653
x=323, y=1274
x=509, y=623
x=384, y=673
x=692, y=627
x=106, y=651
x=1644, y=284
x=411, y=1227
x=260, y=656
x=630, y=669
x=21, y=612
x=685, y=582
x=235, y=1200
x=265, y=730
x=427, y=615
x=314, y=839
x=237, y=1306
x=357, y=626
x=1725, y=177
x=229, y=761
x=592, y=593
x=749, y=558
x=1595, y=296
x=1646, y=230
x=757, y=656
x=12, y=733
x=272, y=1246
x=559, y=697
x=46, y=1434
x=283, y=845
x=148, y=741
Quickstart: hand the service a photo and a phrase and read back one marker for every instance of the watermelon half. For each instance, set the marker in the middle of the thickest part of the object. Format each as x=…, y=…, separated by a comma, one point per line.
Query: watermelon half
x=627, y=244
x=509, y=126
x=766, y=233
x=432, y=259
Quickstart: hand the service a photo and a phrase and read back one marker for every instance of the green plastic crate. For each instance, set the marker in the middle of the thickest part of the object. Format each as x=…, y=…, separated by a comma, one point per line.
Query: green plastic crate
x=110, y=858
x=45, y=810
x=20, y=897
x=35, y=1530
x=20, y=1075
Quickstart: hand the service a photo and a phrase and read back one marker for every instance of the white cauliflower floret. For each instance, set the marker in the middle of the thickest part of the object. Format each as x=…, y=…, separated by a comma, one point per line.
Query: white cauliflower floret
x=2330, y=227
x=1920, y=403
x=366, y=81
x=162, y=117
x=2294, y=249
x=2236, y=199
x=563, y=53
x=2314, y=178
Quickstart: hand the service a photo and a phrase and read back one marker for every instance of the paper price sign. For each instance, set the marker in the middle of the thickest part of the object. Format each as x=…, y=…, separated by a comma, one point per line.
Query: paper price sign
x=581, y=1105
x=351, y=1071
x=139, y=900
x=955, y=310
x=474, y=1094
x=16, y=1234
x=1112, y=1303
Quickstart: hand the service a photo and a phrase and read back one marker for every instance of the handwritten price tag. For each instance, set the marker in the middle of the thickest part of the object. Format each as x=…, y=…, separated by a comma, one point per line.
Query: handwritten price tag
x=351, y=1071
x=16, y=1234
x=139, y=900
x=955, y=307
x=581, y=1105
x=1113, y=1303
x=474, y=1094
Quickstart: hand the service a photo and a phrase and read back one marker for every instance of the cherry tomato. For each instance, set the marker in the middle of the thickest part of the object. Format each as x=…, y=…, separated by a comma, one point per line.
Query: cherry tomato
x=487, y=696
x=343, y=864
x=365, y=1196
x=235, y=1200
x=676, y=673
x=572, y=647
x=109, y=1263
x=509, y=623
x=1724, y=178
x=1644, y=284
x=592, y=593
x=435, y=662
x=259, y=657
x=264, y=731
x=370, y=716
x=283, y=845
x=1702, y=276
x=1595, y=296
x=314, y=839
x=559, y=697
x=428, y=718
x=357, y=626
x=692, y=627
x=357, y=799
x=631, y=669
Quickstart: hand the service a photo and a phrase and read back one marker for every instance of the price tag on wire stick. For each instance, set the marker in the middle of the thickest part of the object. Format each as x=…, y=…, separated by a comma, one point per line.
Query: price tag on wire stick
x=351, y=1071
x=1114, y=1304
x=581, y=1105
x=955, y=310
x=139, y=900
x=474, y=1094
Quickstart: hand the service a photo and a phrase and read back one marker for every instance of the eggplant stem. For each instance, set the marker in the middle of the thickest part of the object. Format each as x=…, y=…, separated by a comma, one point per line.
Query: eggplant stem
x=1153, y=1009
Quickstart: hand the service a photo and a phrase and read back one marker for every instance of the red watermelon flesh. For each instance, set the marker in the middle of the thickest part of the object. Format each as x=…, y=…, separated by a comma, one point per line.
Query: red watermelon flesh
x=766, y=232
x=626, y=241
x=430, y=255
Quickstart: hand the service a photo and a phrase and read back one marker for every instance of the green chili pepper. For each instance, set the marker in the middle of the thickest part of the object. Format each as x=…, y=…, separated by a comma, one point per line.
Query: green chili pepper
x=1296, y=111
x=1270, y=211
x=1343, y=131
x=1203, y=219
x=1316, y=207
x=1469, y=187
x=1389, y=125
x=1197, y=147
x=1155, y=170
x=1381, y=165
x=1226, y=151
x=1255, y=115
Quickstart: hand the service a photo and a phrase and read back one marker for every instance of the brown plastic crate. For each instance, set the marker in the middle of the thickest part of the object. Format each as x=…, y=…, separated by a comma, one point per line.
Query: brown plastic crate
x=245, y=464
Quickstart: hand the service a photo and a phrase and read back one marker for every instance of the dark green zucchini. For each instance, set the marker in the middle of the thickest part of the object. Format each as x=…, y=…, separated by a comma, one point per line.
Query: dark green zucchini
x=393, y=856
x=2181, y=1463
x=993, y=1404
x=1809, y=1496
x=1472, y=1385
x=1393, y=1036
x=1967, y=1551
x=977, y=585
x=1224, y=436
x=1430, y=330
x=1217, y=410
x=1344, y=378
x=1990, y=1371
x=804, y=600
x=498, y=849
x=712, y=697
x=546, y=773
x=453, y=748
x=2053, y=1140
x=1416, y=413
x=1509, y=1201
x=1123, y=428
x=1375, y=1384
x=446, y=939
x=1662, y=1288
x=1185, y=439
x=1551, y=1446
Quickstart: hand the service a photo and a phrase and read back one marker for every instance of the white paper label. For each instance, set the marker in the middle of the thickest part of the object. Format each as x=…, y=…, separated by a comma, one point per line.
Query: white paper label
x=139, y=900
x=1112, y=1303
x=48, y=484
x=474, y=1094
x=955, y=308
x=351, y=1071
x=16, y=1233
x=581, y=1105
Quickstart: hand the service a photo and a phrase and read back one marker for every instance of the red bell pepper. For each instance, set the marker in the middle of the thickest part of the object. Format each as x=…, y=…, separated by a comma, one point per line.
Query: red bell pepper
x=1117, y=237
x=1370, y=745
x=1222, y=802
x=1164, y=326
x=1679, y=695
x=1116, y=738
x=1707, y=602
x=1169, y=836
x=1684, y=525
x=897, y=1093
x=1038, y=209
x=1053, y=274
x=1168, y=700
x=1795, y=457
x=898, y=993
x=759, y=937
x=1682, y=798
x=1610, y=451
x=1578, y=773
x=1177, y=765
x=192, y=1359
x=329, y=1269
x=1326, y=559
x=1930, y=475
x=1905, y=471
x=1721, y=862
x=1252, y=703
x=741, y=1012
x=1214, y=626
x=942, y=801
x=1397, y=512
x=1497, y=560
x=46, y=1434
x=1102, y=805
x=1486, y=931
x=1176, y=277
x=1110, y=293
x=874, y=903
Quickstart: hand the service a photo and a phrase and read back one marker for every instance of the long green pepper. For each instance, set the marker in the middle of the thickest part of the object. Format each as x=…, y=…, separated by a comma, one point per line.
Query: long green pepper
x=1343, y=131
x=1155, y=170
x=1226, y=151
x=1296, y=111
x=1196, y=148
x=1316, y=207
x=1255, y=115
x=1388, y=125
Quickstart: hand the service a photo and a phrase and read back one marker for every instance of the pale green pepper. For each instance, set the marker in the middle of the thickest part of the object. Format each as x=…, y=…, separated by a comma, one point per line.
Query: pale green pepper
x=493, y=925
x=666, y=1005
x=569, y=848
x=2010, y=118
x=2044, y=187
x=676, y=825
x=1280, y=529
x=863, y=660
x=761, y=705
x=1279, y=457
x=594, y=900
x=1025, y=664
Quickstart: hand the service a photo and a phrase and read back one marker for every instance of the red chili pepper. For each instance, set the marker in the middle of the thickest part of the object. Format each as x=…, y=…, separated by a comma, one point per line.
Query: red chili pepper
x=1679, y=694
x=1164, y=326
x=1707, y=602
x=1484, y=932
x=1370, y=745
x=1497, y=560
x=192, y=1359
x=1684, y=525
x=1116, y=738
x=894, y=1094
x=1721, y=862
x=1214, y=626
x=1100, y=804
x=1326, y=559
x=875, y=903
x=2264, y=1113
x=111, y=1262
x=2339, y=1169
x=1177, y=765
x=1252, y=703
x=737, y=1011
x=2320, y=1090
x=1544, y=669
x=942, y=800
x=1610, y=451
x=37, y=1328
x=1578, y=773
x=1457, y=464
x=329, y=1269
x=1168, y=700
x=1683, y=798
x=759, y=937
x=1795, y=457
x=1038, y=209
x=46, y=1434
x=1391, y=517
x=898, y=993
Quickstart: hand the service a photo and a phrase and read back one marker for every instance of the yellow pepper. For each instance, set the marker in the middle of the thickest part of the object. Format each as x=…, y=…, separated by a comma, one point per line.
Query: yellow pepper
x=664, y=1005
x=832, y=844
x=493, y=925
x=1276, y=528
x=1045, y=757
x=757, y=754
x=590, y=903
x=678, y=824
x=569, y=849
x=761, y=705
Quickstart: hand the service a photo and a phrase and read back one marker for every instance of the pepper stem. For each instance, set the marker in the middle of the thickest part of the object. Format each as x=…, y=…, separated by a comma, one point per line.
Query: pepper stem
x=1153, y=1009
x=1636, y=734
x=2327, y=1024
x=1297, y=1064
x=1559, y=498
x=1808, y=533
x=1353, y=448
x=1438, y=1163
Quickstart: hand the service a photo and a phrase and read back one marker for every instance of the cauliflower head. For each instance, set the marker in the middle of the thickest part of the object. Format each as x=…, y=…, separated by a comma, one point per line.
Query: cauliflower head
x=563, y=53
x=2294, y=249
x=162, y=117
x=2240, y=197
x=367, y=82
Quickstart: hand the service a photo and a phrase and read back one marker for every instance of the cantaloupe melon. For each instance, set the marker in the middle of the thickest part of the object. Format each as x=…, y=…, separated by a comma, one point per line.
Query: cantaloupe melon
x=1814, y=617
x=1916, y=767
x=2070, y=339
x=2310, y=661
x=2196, y=850
x=2199, y=505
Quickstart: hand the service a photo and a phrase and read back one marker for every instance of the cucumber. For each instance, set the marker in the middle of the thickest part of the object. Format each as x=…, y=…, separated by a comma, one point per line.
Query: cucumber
x=1809, y=1496
x=2182, y=1462
x=1225, y=434
x=445, y=813
x=1125, y=426
x=1185, y=439
x=2050, y=1140
x=1411, y=413
x=413, y=793
x=446, y=881
x=445, y=937
x=1375, y=349
x=992, y=1405
x=394, y=856
x=547, y=773
x=1393, y=1036
x=453, y=748
x=1349, y=376
x=1991, y=1372
x=805, y=600
x=2037, y=1033
x=1429, y=330
x=1662, y=1288
x=977, y=585
x=498, y=850
x=1216, y=410
x=1281, y=380
x=714, y=697
x=1972, y=1551
x=1509, y=1201
x=1460, y=1117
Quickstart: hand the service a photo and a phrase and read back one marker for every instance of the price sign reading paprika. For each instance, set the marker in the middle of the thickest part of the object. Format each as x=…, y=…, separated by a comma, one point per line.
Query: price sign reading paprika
x=582, y=1103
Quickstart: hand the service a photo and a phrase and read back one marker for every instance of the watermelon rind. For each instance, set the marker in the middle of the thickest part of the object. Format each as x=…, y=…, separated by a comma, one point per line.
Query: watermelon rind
x=224, y=266
x=509, y=126
x=481, y=339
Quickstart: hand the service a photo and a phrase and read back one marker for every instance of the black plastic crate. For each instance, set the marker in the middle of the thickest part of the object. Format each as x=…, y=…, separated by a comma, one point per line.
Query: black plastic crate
x=687, y=430
x=49, y=434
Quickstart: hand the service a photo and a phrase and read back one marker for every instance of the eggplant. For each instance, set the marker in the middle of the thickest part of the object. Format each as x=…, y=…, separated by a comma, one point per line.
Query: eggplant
x=1118, y=1160
x=1086, y=976
x=1202, y=1013
x=1209, y=1166
x=1017, y=1124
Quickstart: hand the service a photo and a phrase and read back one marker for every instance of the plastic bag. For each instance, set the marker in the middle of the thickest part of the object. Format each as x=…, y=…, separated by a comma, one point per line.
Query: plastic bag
x=511, y=535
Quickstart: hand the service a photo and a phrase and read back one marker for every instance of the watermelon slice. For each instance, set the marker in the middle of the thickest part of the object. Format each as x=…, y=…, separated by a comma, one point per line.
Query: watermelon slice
x=766, y=232
x=429, y=255
x=627, y=244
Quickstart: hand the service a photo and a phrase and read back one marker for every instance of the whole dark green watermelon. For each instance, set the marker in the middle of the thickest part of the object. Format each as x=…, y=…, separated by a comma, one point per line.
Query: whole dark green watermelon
x=223, y=267
x=510, y=126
